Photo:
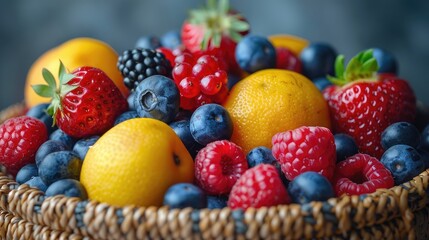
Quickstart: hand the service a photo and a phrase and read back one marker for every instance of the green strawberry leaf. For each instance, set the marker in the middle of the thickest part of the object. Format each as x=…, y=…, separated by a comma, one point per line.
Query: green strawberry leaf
x=366, y=55
x=370, y=66
x=239, y=26
x=223, y=6
x=49, y=78
x=67, y=88
x=235, y=36
x=43, y=90
x=66, y=78
x=339, y=66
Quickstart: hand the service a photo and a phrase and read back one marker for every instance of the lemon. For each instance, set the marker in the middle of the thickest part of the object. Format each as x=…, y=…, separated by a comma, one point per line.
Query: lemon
x=135, y=162
x=291, y=42
x=74, y=53
x=272, y=101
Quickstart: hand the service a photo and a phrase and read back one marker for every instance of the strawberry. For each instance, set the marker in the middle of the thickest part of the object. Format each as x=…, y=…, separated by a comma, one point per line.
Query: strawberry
x=363, y=104
x=20, y=138
x=86, y=102
x=215, y=27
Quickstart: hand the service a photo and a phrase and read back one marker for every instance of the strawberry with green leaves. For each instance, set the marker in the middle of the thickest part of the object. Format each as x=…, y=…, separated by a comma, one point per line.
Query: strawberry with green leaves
x=363, y=103
x=216, y=29
x=85, y=103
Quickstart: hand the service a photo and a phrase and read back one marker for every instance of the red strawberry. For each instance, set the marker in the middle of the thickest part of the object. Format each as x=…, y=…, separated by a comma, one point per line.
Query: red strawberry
x=286, y=59
x=363, y=104
x=361, y=174
x=305, y=149
x=215, y=27
x=20, y=138
x=86, y=103
x=259, y=186
x=218, y=166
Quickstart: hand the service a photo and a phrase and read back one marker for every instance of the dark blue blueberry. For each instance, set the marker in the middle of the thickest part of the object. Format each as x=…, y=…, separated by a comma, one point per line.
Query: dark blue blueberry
x=216, y=202
x=60, y=165
x=184, y=195
x=157, y=97
x=182, y=129
x=37, y=182
x=400, y=133
x=422, y=115
x=310, y=186
x=126, y=116
x=130, y=100
x=48, y=147
x=232, y=80
x=171, y=39
x=254, y=53
x=68, y=188
x=345, y=146
x=183, y=115
x=209, y=123
x=149, y=42
x=260, y=155
x=386, y=61
x=26, y=173
x=403, y=161
x=424, y=139
x=61, y=136
x=425, y=156
x=39, y=112
x=322, y=83
x=82, y=146
x=318, y=60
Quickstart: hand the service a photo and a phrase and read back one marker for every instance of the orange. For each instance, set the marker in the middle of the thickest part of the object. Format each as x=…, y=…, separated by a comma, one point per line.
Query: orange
x=135, y=162
x=293, y=43
x=74, y=53
x=272, y=101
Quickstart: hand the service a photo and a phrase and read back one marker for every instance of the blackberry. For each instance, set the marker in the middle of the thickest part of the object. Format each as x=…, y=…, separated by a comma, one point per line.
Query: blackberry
x=140, y=63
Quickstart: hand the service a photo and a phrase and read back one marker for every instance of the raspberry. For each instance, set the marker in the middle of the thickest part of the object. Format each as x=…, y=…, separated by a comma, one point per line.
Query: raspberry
x=218, y=166
x=200, y=77
x=305, y=149
x=20, y=138
x=361, y=173
x=260, y=186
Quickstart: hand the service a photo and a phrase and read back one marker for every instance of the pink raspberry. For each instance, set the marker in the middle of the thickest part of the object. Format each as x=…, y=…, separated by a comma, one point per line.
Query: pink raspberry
x=218, y=166
x=361, y=173
x=305, y=149
x=259, y=186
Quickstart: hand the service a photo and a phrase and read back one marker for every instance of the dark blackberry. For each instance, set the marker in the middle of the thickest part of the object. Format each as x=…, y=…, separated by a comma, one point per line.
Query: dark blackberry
x=140, y=63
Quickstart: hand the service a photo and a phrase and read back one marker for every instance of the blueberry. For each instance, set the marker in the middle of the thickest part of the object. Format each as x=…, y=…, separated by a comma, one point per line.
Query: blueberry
x=400, y=133
x=39, y=112
x=422, y=115
x=26, y=173
x=182, y=129
x=424, y=139
x=260, y=155
x=171, y=39
x=345, y=146
x=232, y=80
x=386, y=61
x=60, y=165
x=184, y=195
x=183, y=115
x=37, y=182
x=126, y=116
x=425, y=156
x=68, y=188
x=310, y=186
x=322, y=83
x=157, y=97
x=216, y=202
x=82, y=146
x=61, y=136
x=318, y=60
x=209, y=123
x=130, y=100
x=48, y=147
x=404, y=162
x=254, y=53
x=149, y=42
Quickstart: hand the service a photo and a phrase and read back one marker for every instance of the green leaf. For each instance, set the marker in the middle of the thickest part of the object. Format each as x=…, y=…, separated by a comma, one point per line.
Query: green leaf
x=366, y=55
x=66, y=78
x=216, y=38
x=336, y=81
x=61, y=71
x=67, y=88
x=211, y=4
x=339, y=66
x=206, y=39
x=239, y=26
x=352, y=68
x=235, y=36
x=223, y=7
x=370, y=66
x=43, y=90
x=49, y=78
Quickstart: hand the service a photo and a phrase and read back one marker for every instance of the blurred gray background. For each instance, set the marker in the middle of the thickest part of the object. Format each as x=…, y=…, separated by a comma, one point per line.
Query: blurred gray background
x=29, y=28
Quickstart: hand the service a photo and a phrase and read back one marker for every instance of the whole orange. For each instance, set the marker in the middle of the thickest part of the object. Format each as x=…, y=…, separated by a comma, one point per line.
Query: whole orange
x=74, y=53
x=135, y=162
x=291, y=42
x=272, y=101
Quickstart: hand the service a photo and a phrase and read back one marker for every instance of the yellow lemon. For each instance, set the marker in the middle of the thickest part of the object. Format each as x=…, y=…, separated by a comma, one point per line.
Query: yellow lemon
x=272, y=101
x=74, y=53
x=135, y=162
x=293, y=43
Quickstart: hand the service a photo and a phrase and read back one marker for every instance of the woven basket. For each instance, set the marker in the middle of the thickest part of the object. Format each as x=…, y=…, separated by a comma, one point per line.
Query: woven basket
x=401, y=212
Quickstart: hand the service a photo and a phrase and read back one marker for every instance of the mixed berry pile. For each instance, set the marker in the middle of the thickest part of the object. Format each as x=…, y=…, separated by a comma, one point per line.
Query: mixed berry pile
x=184, y=77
